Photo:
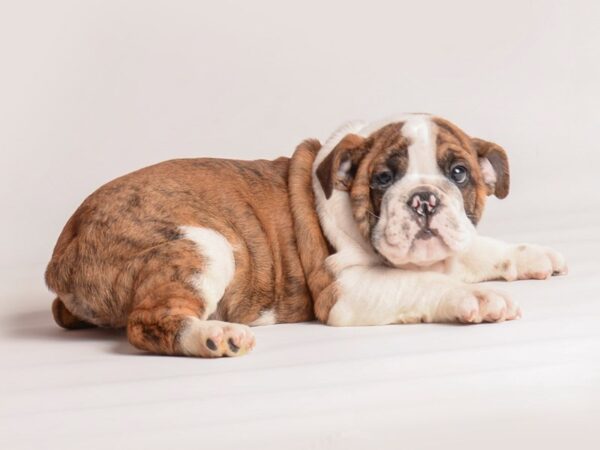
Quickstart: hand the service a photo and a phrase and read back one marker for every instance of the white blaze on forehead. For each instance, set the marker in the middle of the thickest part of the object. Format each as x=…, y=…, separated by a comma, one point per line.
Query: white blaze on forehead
x=422, y=150
x=417, y=126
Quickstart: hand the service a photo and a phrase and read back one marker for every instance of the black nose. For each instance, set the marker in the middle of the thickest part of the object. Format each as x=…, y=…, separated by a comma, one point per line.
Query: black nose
x=424, y=203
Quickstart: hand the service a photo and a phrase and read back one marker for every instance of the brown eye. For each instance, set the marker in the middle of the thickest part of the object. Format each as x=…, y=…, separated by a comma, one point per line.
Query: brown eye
x=459, y=174
x=382, y=179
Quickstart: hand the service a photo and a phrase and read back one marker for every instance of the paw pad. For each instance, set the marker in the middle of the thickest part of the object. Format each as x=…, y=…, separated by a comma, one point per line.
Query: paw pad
x=213, y=338
x=211, y=344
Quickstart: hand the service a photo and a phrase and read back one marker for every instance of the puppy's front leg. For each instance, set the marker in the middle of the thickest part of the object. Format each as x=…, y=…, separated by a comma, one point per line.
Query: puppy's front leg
x=376, y=295
x=491, y=259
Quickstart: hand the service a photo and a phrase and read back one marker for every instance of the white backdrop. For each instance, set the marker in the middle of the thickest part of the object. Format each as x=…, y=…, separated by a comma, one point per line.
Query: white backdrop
x=90, y=90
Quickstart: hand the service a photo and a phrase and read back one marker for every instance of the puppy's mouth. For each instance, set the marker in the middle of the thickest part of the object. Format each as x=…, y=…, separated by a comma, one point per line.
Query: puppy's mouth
x=426, y=233
x=428, y=237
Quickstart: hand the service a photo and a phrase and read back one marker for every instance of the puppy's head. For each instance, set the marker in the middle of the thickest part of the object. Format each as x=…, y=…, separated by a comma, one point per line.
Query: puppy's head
x=417, y=186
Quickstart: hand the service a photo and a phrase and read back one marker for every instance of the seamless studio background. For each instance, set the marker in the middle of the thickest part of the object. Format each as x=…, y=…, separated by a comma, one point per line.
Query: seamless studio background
x=90, y=90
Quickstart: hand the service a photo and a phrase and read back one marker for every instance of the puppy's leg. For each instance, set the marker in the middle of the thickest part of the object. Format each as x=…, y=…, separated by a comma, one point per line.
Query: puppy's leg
x=377, y=296
x=65, y=318
x=168, y=321
x=179, y=286
x=490, y=259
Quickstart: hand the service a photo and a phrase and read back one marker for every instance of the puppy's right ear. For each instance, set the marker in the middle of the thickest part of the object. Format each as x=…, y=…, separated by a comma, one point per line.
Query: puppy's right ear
x=338, y=169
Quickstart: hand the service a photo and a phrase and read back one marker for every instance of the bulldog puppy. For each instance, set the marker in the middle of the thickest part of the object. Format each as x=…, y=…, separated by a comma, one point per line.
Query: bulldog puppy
x=375, y=227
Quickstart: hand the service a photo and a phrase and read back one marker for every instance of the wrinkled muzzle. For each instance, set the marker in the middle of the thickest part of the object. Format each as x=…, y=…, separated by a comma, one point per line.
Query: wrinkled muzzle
x=421, y=222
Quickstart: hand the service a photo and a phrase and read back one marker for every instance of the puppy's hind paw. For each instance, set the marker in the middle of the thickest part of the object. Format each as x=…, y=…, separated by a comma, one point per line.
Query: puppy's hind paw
x=213, y=338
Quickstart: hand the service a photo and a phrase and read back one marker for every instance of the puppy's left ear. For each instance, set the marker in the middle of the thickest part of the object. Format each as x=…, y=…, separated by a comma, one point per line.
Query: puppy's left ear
x=338, y=169
x=494, y=167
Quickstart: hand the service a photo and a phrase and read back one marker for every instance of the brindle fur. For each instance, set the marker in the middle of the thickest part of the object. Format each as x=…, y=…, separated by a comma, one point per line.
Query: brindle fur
x=123, y=260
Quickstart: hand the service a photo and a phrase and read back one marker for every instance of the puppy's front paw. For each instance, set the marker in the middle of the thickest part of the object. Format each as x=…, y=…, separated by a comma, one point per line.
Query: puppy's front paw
x=476, y=304
x=537, y=262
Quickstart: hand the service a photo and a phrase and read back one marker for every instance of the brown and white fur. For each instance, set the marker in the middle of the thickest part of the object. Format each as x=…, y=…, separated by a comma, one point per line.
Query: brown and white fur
x=370, y=229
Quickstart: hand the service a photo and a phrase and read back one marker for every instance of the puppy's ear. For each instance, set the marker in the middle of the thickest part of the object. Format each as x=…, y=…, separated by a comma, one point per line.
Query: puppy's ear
x=338, y=169
x=494, y=167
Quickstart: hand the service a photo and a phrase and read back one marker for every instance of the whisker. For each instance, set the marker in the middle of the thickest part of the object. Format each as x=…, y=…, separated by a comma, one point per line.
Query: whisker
x=373, y=214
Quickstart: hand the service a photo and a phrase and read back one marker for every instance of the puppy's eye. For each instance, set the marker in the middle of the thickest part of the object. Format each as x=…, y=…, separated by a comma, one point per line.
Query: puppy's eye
x=382, y=179
x=459, y=174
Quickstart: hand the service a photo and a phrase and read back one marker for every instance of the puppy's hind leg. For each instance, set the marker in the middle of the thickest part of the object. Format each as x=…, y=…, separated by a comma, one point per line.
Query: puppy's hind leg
x=66, y=319
x=179, y=286
x=168, y=322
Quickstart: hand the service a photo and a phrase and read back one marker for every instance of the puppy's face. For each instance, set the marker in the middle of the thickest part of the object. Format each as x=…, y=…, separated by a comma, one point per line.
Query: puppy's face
x=417, y=186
